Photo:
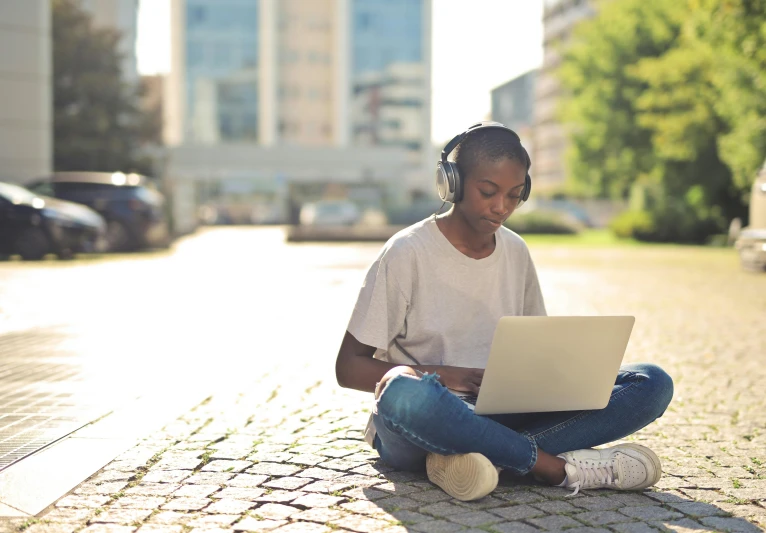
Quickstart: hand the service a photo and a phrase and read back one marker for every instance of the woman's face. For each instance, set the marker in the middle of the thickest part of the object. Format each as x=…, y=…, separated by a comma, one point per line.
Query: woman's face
x=491, y=194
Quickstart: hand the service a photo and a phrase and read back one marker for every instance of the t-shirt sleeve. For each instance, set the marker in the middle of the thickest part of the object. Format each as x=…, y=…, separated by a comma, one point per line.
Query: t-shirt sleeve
x=381, y=308
x=534, y=305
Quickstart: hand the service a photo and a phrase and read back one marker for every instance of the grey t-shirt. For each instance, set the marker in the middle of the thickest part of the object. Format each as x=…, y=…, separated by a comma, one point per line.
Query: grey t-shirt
x=425, y=302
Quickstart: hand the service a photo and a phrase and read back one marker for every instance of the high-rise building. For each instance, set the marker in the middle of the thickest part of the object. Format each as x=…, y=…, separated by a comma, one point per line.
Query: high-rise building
x=550, y=141
x=513, y=105
x=300, y=72
x=121, y=15
x=26, y=140
x=289, y=91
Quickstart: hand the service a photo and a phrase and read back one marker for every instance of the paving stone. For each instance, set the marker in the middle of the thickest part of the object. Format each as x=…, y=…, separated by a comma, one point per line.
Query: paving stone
x=600, y=518
x=169, y=517
x=287, y=483
x=91, y=502
x=307, y=459
x=43, y=528
x=441, y=509
x=556, y=507
x=475, y=518
x=365, y=507
x=122, y=516
x=210, y=478
x=672, y=496
x=514, y=527
x=686, y=525
x=487, y=502
x=102, y=488
x=320, y=473
x=253, y=524
x=279, y=496
x=303, y=527
x=633, y=527
x=342, y=464
x=157, y=528
x=196, y=491
x=400, y=489
x=730, y=524
x=153, y=489
x=68, y=514
x=747, y=494
x=179, y=462
x=410, y=517
x=223, y=465
x=650, y=512
x=165, y=476
x=588, y=530
x=270, y=457
x=363, y=493
x=247, y=480
x=239, y=493
x=321, y=515
x=436, y=526
x=213, y=520
x=372, y=470
x=706, y=495
x=275, y=511
x=632, y=499
x=517, y=512
x=398, y=502
x=185, y=504
x=554, y=522
x=696, y=509
x=556, y=493
x=210, y=529
x=521, y=496
x=138, y=502
x=108, y=528
x=316, y=500
x=229, y=506
x=273, y=469
x=430, y=496
x=355, y=480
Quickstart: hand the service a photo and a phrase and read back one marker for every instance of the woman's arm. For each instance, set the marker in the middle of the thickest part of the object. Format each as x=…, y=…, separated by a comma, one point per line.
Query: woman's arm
x=355, y=368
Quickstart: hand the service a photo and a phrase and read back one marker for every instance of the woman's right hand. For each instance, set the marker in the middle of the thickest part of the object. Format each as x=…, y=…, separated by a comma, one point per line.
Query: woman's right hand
x=461, y=379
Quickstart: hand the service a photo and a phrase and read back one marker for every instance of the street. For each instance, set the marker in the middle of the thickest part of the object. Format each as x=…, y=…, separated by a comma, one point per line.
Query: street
x=253, y=325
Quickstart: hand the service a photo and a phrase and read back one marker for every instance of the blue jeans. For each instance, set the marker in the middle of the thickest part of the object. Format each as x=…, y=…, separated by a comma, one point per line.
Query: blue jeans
x=415, y=416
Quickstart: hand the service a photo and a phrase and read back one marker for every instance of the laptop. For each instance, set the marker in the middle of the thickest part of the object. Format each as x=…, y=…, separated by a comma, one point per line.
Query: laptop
x=551, y=363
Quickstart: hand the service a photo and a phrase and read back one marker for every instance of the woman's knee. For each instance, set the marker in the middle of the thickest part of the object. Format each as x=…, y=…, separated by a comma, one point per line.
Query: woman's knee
x=388, y=376
x=659, y=386
x=404, y=397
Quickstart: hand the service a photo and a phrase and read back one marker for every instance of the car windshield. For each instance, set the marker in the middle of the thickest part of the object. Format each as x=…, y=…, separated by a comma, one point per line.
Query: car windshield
x=16, y=194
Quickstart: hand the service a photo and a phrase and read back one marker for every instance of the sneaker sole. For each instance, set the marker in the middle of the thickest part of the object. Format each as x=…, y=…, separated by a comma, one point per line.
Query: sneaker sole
x=465, y=477
x=655, y=461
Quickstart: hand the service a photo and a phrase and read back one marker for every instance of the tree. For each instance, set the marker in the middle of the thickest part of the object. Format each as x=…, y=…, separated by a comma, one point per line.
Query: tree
x=97, y=122
x=610, y=149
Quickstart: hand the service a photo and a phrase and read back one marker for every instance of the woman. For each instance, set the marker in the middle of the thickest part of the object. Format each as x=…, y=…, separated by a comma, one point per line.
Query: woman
x=424, y=322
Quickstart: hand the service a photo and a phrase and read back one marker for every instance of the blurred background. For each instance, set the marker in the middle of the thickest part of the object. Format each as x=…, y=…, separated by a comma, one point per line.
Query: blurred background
x=647, y=118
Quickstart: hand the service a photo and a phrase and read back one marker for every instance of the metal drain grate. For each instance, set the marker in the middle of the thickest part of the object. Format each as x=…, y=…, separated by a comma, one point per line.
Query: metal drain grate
x=43, y=396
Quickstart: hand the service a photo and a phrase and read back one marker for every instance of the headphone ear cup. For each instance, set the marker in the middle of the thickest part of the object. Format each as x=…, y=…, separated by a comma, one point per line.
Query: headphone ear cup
x=457, y=182
x=525, y=193
x=444, y=182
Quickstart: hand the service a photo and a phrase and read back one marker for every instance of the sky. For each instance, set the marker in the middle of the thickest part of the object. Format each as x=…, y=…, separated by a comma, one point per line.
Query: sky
x=477, y=45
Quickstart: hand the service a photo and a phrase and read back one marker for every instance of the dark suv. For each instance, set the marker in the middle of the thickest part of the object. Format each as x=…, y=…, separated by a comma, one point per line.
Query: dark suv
x=133, y=209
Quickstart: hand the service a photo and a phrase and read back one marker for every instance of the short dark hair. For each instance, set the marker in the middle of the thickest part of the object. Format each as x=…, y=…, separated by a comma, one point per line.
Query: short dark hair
x=490, y=144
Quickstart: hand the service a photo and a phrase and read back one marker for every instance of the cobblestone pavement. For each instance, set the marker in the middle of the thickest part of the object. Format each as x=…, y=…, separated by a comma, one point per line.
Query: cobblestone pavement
x=283, y=451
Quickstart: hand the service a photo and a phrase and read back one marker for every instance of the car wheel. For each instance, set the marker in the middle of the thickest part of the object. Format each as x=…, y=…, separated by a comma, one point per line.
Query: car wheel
x=32, y=244
x=117, y=236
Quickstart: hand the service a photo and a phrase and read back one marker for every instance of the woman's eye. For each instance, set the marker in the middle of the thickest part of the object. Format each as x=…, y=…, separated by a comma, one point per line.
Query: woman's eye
x=486, y=194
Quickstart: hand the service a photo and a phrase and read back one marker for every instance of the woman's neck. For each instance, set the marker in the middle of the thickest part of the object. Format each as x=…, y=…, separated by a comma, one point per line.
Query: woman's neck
x=463, y=237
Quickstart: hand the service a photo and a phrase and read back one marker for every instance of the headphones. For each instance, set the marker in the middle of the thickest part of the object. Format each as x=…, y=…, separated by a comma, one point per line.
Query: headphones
x=449, y=182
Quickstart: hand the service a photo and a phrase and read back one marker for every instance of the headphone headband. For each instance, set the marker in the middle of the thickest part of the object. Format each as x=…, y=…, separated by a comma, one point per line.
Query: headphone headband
x=457, y=139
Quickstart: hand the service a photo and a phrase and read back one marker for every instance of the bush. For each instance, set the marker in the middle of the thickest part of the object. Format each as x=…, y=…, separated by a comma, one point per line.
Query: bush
x=675, y=222
x=541, y=222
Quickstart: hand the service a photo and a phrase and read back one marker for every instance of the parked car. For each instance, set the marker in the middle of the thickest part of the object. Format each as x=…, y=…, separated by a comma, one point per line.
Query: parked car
x=751, y=240
x=33, y=226
x=329, y=213
x=133, y=209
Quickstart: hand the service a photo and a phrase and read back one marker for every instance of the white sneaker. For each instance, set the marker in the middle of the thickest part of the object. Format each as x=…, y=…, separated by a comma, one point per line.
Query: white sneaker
x=621, y=467
x=466, y=477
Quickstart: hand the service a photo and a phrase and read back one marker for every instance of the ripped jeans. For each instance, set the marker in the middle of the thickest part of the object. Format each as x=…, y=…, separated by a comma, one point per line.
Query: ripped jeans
x=415, y=416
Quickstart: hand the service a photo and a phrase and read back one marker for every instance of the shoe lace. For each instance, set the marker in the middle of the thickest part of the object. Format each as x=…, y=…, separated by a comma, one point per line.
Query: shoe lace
x=593, y=474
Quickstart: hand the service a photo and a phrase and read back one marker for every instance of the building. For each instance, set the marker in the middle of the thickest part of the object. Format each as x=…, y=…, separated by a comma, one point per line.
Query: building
x=550, y=142
x=26, y=115
x=513, y=105
x=121, y=15
x=323, y=91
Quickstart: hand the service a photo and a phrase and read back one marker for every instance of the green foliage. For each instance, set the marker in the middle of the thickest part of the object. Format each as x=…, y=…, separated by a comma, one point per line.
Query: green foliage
x=97, y=122
x=670, y=98
x=540, y=222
